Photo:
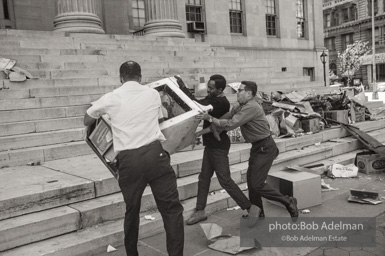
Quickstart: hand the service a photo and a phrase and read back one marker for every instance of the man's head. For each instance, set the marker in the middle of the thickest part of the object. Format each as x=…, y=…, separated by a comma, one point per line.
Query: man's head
x=130, y=71
x=216, y=85
x=247, y=91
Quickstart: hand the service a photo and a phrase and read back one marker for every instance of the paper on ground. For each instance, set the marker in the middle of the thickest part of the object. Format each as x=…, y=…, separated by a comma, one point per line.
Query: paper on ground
x=211, y=230
x=229, y=245
x=110, y=249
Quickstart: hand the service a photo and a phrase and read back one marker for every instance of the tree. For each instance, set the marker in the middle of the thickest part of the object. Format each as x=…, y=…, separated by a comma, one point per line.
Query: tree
x=351, y=59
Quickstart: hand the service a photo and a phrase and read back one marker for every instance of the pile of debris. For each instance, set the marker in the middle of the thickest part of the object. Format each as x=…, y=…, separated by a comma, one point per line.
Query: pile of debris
x=297, y=113
x=12, y=72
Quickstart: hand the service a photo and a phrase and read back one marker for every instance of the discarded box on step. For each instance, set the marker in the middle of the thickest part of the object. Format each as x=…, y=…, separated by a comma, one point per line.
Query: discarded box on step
x=337, y=115
x=178, y=127
x=304, y=186
x=310, y=125
x=370, y=163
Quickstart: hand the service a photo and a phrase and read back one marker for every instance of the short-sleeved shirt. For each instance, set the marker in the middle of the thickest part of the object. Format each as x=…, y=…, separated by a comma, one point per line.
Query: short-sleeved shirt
x=252, y=120
x=221, y=106
x=134, y=110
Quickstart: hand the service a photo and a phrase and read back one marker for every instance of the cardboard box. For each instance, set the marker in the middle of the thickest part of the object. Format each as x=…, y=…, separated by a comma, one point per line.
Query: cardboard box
x=370, y=163
x=304, y=186
x=341, y=116
x=310, y=125
x=360, y=115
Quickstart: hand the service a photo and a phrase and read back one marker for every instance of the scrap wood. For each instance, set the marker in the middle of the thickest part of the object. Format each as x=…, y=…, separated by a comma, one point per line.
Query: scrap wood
x=370, y=142
x=304, y=169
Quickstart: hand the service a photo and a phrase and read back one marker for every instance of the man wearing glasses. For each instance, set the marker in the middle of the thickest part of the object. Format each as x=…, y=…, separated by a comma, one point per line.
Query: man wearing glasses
x=249, y=115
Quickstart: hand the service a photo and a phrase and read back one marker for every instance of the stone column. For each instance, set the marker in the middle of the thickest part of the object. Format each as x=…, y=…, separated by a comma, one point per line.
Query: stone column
x=77, y=16
x=162, y=19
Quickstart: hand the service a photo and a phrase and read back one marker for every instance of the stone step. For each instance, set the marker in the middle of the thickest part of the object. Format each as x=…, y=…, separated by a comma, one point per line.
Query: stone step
x=26, y=156
x=47, y=83
x=37, y=139
x=99, y=209
x=31, y=33
x=374, y=104
x=48, y=102
x=40, y=114
x=94, y=240
x=38, y=126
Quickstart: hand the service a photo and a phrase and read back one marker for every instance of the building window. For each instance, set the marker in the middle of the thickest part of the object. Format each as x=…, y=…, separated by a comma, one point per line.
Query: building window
x=194, y=10
x=236, y=14
x=379, y=35
x=336, y=18
x=271, y=18
x=333, y=67
x=370, y=7
x=327, y=20
x=380, y=72
x=5, y=10
x=346, y=40
x=330, y=43
x=353, y=12
x=300, y=15
x=309, y=72
x=138, y=13
x=345, y=15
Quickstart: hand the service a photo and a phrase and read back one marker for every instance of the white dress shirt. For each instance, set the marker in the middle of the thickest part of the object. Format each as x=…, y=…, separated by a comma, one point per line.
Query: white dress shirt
x=134, y=110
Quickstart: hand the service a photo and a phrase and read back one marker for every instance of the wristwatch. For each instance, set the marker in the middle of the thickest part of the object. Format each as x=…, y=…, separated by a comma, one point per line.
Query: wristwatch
x=210, y=119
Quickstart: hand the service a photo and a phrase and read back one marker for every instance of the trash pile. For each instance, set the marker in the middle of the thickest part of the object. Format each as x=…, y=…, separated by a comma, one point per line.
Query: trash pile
x=12, y=72
x=297, y=113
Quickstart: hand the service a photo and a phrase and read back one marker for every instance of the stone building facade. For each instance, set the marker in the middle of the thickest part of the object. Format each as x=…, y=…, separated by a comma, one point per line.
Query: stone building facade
x=346, y=21
x=290, y=32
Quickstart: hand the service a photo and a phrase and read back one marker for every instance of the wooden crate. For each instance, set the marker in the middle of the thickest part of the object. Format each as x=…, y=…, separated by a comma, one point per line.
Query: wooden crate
x=341, y=116
x=304, y=186
x=310, y=125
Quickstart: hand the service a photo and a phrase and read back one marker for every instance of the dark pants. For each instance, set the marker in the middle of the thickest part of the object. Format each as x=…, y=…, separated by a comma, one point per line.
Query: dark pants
x=217, y=160
x=262, y=155
x=150, y=165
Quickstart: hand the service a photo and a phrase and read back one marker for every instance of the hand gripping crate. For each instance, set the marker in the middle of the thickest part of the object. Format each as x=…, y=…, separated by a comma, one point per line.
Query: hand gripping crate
x=179, y=125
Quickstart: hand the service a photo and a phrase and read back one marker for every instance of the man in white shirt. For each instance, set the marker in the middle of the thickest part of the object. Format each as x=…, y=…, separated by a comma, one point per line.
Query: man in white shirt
x=134, y=111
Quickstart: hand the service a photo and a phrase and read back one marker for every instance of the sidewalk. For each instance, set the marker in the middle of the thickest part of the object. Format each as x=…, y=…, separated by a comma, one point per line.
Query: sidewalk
x=334, y=204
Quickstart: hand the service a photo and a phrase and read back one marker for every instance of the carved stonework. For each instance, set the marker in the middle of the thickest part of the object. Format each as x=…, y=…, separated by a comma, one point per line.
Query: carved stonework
x=78, y=16
x=162, y=19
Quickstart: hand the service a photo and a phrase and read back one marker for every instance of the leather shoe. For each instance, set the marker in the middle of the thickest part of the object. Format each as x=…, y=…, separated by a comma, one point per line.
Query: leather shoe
x=254, y=211
x=196, y=217
x=292, y=207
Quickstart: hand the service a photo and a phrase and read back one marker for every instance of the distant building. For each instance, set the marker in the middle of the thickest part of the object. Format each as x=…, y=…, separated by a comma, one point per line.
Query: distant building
x=287, y=34
x=346, y=21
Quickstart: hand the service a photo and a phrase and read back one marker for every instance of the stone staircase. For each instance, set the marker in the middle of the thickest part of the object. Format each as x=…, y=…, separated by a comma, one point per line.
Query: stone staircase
x=41, y=119
x=71, y=204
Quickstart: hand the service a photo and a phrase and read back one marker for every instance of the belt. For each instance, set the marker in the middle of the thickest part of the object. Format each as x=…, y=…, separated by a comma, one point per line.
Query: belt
x=259, y=141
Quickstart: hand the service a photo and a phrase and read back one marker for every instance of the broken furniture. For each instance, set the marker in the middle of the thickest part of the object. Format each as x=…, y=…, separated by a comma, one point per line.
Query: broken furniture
x=179, y=128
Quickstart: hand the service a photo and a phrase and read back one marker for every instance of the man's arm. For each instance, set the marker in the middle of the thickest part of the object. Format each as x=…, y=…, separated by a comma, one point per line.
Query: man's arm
x=239, y=118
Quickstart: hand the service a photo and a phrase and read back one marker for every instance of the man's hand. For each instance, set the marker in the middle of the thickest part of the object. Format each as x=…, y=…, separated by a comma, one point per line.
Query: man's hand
x=203, y=116
x=180, y=81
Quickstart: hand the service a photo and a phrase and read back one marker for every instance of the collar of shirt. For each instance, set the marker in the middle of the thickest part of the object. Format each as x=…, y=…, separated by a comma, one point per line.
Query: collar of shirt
x=131, y=86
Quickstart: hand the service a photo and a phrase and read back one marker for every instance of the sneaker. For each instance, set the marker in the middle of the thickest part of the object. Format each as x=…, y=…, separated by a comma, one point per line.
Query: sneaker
x=196, y=217
x=292, y=208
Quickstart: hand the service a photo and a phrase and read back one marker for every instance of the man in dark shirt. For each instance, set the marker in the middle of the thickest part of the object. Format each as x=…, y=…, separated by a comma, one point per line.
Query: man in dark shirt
x=215, y=156
x=249, y=115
